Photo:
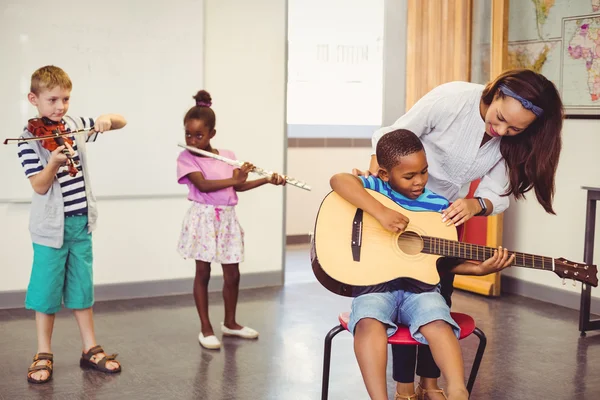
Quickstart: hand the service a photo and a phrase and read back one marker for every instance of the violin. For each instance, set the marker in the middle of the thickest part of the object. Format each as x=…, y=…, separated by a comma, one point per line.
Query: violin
x=43, y=127
x=52, y=134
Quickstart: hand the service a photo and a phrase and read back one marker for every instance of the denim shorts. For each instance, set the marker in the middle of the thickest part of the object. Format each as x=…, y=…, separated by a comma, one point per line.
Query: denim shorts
x=402, y=308
x=63, y=274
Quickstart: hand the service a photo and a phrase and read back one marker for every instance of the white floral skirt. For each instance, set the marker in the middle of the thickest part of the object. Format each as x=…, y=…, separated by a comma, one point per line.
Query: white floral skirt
x=212, y=234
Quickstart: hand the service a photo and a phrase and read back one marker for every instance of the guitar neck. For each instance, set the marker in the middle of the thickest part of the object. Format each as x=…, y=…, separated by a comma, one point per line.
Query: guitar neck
x=467, y=251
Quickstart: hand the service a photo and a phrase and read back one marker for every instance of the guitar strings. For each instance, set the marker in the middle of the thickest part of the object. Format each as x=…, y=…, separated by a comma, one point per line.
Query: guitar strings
x=451, y=245
x=429, y=244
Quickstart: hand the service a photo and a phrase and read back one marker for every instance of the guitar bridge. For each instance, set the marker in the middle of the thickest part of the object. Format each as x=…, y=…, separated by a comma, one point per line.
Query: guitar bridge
x=357, y=224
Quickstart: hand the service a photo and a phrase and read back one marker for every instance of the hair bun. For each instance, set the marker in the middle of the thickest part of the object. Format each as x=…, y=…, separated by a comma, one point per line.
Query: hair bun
x=203, y=99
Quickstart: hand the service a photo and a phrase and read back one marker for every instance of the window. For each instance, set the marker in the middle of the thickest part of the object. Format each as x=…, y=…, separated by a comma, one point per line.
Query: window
x=335, y=68
x=480, y=42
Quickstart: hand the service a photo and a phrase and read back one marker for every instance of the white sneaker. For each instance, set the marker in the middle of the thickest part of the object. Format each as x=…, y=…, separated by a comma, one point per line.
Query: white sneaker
x=209, y=342
x=245, y=332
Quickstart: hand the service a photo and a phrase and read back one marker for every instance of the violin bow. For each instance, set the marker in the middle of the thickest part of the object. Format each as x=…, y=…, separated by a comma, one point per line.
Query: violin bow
x=9, y=141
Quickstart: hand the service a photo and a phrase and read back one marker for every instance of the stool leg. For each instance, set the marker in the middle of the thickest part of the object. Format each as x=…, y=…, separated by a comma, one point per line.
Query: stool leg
x=327, y=359
x=478, y=357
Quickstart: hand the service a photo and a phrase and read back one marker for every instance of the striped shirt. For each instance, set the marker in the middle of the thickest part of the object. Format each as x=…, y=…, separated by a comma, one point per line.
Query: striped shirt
x=73, y=187
x=428, y=201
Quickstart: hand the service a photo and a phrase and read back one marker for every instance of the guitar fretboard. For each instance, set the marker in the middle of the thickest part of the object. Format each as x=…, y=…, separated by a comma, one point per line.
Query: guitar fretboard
x=452, y=248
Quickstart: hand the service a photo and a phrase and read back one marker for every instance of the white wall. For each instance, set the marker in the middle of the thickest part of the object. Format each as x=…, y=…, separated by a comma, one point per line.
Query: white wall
x=245, y=66
x=136, y=239
x=114, y=68
x=316, y=166
x=528, y=228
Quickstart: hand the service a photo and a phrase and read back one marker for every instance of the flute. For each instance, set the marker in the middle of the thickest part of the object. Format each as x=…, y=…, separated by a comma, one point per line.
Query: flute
x=289, y=180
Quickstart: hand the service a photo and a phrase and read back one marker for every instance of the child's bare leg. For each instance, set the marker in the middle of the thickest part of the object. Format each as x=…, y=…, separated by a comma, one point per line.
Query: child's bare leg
x=431, y=384
x=231, y=289
x=370, y=347
x=44, y=324
x=405, y=389
x=85, y=321
x=447, y=355
x=201, y=296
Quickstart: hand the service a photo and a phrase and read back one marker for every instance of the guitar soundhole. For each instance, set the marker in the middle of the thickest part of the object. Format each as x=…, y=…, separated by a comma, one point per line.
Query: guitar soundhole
x=410, y=243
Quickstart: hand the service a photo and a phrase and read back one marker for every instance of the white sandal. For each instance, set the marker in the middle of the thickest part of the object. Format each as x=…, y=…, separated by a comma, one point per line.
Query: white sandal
x=209, y=342
x=245, y=332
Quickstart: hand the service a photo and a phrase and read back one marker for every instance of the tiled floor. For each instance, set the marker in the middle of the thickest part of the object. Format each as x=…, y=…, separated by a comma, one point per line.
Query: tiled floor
x=534, y=350
x=297, y=268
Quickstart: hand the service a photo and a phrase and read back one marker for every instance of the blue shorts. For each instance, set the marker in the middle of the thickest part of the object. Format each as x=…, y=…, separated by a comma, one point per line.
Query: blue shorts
x=402, y=308
x=64, y=273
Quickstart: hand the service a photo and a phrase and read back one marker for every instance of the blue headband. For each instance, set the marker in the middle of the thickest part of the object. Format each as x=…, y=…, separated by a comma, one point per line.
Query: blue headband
x=528, y=105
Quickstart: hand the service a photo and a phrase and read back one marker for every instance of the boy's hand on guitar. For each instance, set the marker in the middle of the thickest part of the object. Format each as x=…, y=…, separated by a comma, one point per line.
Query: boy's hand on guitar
x=392, y=220
x=497, y=262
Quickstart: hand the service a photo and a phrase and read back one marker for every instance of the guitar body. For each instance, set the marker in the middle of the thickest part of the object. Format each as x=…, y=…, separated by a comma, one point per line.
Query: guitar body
x=351, y=249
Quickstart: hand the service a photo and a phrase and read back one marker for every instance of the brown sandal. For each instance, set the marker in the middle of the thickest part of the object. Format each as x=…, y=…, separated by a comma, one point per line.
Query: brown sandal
x=421, y=393
x=399, y=396
x=44, y=367
x=86, y=361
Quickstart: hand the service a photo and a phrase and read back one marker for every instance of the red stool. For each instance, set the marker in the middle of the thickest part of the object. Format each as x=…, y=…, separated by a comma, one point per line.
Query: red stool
x=402, y=337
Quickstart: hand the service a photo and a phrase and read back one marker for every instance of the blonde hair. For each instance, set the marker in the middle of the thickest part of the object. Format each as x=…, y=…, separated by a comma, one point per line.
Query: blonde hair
x=49, y=77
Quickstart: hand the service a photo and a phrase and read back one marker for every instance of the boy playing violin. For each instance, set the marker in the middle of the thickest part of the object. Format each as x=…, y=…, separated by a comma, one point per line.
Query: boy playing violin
x=63, y=215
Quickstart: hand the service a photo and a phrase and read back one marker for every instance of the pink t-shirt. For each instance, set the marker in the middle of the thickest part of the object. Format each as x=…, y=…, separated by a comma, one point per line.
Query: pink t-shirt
x=211, y=170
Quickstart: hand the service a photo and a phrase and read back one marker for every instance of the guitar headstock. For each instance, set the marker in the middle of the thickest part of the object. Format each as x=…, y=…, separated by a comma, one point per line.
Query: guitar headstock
x=580, y=272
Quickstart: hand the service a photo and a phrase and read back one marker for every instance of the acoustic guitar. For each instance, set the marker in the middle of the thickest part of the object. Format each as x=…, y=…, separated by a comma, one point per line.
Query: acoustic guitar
x=351, y=250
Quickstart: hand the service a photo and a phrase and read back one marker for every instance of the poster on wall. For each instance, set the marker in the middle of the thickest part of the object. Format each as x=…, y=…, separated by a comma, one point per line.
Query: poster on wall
x=560, y=39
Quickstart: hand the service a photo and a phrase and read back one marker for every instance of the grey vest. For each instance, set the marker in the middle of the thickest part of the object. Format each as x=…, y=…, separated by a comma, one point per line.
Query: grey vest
x=47, y=218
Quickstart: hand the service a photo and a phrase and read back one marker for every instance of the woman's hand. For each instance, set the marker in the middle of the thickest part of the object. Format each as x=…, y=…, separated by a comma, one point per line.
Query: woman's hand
x=373, y=169
x=461, y=211
x=497, y=262
x=366, y=174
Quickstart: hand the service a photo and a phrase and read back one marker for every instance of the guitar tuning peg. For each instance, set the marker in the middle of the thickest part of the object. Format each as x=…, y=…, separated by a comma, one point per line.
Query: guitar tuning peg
x=564, y=281
x=574, y=283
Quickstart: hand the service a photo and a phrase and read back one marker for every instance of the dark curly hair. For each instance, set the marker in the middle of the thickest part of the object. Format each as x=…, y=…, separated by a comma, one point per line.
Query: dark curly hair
x=202, y=110
x=396, y=144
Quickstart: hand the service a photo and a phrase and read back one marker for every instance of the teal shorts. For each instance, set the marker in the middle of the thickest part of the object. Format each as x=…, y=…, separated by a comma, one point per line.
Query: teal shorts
x=64, y=273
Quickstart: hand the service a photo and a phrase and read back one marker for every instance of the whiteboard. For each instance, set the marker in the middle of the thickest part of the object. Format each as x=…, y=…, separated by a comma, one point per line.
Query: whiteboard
x=140, y=59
